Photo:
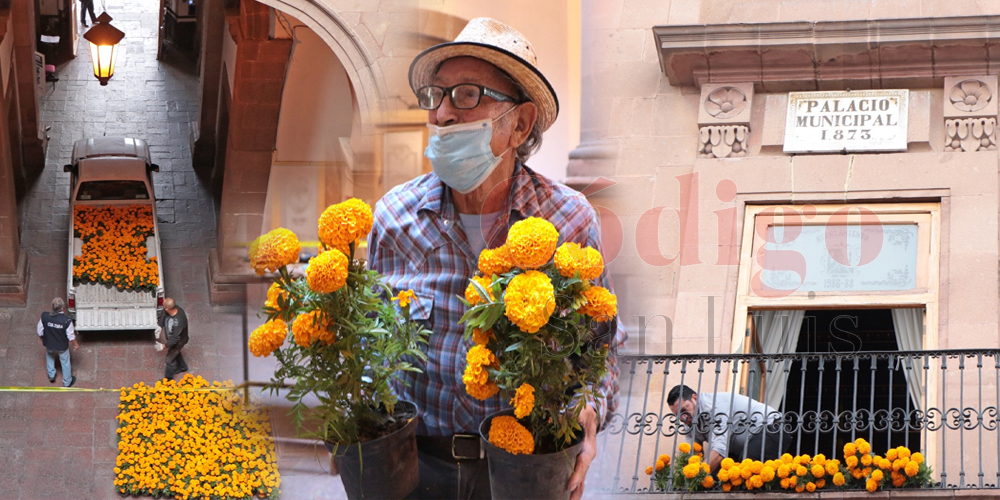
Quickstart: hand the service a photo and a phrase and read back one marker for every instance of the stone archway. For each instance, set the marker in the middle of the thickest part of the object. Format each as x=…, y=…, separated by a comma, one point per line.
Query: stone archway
x=364, y=72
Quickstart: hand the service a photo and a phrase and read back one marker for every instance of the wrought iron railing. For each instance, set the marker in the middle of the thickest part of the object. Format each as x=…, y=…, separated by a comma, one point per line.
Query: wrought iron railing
x=942, y=403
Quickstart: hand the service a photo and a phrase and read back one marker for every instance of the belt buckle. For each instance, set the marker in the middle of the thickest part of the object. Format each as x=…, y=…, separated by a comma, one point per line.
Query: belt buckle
x=456, y=456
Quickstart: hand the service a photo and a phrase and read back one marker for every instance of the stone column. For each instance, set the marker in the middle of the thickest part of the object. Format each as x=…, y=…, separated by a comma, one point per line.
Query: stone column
x=13, y=262
x=212, y=22
x=258, y=80
x=595, y=156
x=33, y=139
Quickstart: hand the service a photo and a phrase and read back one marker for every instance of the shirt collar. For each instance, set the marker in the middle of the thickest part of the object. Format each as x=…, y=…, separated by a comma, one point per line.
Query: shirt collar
x=521, y=199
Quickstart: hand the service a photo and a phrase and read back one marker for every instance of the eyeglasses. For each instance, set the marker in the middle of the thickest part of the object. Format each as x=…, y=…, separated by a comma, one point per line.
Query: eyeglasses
x=463, y=96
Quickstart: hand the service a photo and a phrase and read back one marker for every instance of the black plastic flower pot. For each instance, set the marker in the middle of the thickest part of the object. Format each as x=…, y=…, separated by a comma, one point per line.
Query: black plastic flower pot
x=519, y=477
x=385, y=468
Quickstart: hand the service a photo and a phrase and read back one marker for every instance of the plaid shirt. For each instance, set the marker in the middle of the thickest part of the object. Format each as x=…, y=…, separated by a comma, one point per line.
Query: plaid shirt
x=418, y=243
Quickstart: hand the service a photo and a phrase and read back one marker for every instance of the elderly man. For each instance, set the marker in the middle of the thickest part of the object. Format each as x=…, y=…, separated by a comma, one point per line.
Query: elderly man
x=733, y=425
x=488, y=105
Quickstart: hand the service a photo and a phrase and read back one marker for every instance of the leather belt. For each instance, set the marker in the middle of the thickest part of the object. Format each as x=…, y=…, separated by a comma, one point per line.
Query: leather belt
x=454, y=447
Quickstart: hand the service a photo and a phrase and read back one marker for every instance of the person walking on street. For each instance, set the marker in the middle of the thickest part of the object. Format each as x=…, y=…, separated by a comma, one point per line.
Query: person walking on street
x=56, y=332
x=87, y=6
x=174, y=325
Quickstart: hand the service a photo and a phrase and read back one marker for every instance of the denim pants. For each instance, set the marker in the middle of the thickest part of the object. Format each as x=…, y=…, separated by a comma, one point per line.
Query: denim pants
x=67, y=369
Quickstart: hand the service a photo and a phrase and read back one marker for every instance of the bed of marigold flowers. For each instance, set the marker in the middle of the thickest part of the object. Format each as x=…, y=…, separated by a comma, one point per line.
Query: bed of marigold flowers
x=193, y=439
x=860, y=469
x=114, y=246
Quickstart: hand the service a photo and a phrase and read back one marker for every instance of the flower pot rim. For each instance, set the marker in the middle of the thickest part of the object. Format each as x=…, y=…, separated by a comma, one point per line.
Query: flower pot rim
x=342, y=448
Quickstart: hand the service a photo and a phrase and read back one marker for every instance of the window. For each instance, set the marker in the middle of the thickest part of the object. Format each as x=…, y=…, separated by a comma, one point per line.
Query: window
x=112, y=190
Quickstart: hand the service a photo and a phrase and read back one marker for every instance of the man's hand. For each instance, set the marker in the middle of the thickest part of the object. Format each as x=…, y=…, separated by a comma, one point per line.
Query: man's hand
x=588, y=419
x=76, y=345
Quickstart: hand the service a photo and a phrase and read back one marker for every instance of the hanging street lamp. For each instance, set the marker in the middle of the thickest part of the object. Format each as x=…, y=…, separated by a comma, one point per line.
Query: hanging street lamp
x=104, y=38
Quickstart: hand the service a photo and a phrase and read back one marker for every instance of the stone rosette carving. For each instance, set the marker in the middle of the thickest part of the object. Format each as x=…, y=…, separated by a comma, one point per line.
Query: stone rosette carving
x=725, y=102
x=970, y=113
x=724, y=119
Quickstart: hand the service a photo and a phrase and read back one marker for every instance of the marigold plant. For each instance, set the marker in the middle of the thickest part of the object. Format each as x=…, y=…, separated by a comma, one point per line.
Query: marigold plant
x=527, y=321
x=192, y=439
x=114, y=247
x=347, y=340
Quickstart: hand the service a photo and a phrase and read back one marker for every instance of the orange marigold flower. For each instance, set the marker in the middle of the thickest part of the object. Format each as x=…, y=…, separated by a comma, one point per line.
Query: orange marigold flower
x=838, y=479
x=691, y=470
x=601, y=304
x=664, y=458
x=274, y=250
x=917, y=457
x=708, y=482
x=871, y=485
x=877, y=475
x=508, y=434
x=649, y=470
x=479, y=337
x=268, y=337
x=849, y=449
x=472, y=295
x=310, y=327
x=476, y=378
x=684, y=448
x=851, y=461
x=531, y=242
x=344, y=223
x=327, y=272
x=524, y=402
x=404, y=297
x=660, y=465
x=274, y=293
x=810, y=486
x=912, y=468
x=863, y=446
x=767, y=473
x=530, y=301
x=494, y=261
x=571, y=258
x=818, y=471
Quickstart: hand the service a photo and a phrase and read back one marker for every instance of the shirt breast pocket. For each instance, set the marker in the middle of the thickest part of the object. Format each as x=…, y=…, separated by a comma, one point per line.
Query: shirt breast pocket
x=422, y=310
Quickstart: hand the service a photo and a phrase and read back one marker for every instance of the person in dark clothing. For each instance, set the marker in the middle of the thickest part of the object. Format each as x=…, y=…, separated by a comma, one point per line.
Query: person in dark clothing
x=56, y=332
x=174, y=328
x=87, y=6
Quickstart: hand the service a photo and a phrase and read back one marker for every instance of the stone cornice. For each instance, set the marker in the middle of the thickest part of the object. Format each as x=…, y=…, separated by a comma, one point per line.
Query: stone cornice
x=917, y=52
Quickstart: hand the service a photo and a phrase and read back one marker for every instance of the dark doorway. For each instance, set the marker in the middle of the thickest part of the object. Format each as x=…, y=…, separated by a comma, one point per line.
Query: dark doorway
x=869, y=384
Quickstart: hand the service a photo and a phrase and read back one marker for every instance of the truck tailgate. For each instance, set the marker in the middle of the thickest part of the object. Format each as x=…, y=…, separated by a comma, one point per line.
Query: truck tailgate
x=99, y=307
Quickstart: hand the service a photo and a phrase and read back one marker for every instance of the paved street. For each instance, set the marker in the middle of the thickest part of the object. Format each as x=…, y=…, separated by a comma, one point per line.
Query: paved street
x=62, y=445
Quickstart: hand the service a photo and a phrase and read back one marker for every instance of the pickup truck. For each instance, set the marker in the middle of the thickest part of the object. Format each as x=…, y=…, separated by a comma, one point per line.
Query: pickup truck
x=115, y=278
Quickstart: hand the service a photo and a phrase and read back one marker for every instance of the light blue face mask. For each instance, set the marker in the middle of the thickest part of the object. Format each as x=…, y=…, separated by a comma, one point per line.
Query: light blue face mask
x=461, y=154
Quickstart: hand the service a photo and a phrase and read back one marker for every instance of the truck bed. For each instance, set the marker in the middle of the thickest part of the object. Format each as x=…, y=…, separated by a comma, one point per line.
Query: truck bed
x=100, y=307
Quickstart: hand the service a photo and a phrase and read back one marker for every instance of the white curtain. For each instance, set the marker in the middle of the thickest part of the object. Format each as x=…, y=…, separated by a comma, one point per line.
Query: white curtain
x=778, y=332
x=909, y=326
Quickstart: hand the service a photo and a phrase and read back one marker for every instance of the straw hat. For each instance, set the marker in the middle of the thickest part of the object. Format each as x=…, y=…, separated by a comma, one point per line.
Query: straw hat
x=500, y=45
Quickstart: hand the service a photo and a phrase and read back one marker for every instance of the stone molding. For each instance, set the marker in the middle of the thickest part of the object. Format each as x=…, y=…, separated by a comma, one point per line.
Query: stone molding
x=886, y=53
x=970, y=113
x=724, y=119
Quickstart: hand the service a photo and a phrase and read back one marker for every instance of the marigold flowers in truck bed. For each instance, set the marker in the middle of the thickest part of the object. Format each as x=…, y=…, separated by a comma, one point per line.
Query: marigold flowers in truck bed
x=114, y=246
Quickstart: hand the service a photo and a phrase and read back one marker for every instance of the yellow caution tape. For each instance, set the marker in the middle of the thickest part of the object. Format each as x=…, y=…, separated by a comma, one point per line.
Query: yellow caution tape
x=243, y=385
